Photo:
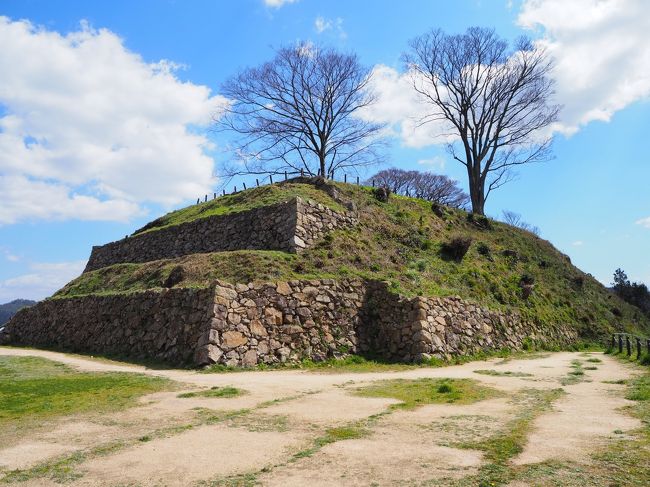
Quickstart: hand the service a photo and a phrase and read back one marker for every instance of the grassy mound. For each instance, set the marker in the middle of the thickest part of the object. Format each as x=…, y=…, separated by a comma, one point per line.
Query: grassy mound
x=405, y=242
x=242, y=201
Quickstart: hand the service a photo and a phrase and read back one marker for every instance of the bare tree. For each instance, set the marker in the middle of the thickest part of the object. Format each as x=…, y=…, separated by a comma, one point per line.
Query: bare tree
x=494, y=102
x=424, y=185
x=514, y=219
x=299, y=113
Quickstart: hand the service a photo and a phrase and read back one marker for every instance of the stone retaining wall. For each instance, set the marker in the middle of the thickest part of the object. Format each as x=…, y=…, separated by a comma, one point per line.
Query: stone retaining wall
x=164, y=325
x=418, y=328
x=243, y=325
x=285, y=321
x=289, y=226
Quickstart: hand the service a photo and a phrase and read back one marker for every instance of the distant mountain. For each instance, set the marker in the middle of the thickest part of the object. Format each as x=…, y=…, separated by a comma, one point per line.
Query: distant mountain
x=9, y=309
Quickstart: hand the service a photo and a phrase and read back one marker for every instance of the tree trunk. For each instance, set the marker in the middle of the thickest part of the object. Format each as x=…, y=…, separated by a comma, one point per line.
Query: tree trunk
x=476, y=191
x=321, y=158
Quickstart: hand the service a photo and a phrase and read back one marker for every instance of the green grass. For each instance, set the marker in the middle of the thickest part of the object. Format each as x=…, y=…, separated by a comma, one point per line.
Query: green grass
x=33, y=388
x=500, y=448
x=415, y=393
x=623, y=462
x=574, y=376
x=242, y=201
x=594, y=360
x=399, y=242
x=505, y=373
x=226, y=391
x=332, y=435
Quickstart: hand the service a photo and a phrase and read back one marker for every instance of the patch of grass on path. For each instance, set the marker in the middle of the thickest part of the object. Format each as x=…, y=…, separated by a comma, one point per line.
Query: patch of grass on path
x=574, y=376
x=623, y=462
x=33, y=388
x=333, y=435
x=509, y=442
x=227, y=391
x=499, y=373
x=414, y=393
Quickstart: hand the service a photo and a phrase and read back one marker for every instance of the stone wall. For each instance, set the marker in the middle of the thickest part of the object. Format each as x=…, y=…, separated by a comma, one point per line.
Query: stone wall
x=243, y=325
x=418, y=328
x=285, y=321
x=289, y=226
x=164, y=325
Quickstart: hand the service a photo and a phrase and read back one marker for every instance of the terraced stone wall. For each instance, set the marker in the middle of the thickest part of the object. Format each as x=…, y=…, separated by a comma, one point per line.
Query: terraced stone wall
x=289, y=226
x=244, y=325
x=164, y=325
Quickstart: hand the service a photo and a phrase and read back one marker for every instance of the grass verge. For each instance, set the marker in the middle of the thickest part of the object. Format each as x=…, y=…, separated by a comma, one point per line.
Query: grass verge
x=504, y=373
x=505, y=445
x=33, y=388
x=227, y=391
x=414, y=393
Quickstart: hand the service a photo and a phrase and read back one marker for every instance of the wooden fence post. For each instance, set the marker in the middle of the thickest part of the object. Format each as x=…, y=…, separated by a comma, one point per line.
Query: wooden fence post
x=357, y=180
x=271, y=178
x=613, y=341
x=257, y=182
x=345, y=178
x=628, y=345
x=620, y=343
x=244, y=186
x=648, y=345
x=206, y=198
x=198, y=200
x=638, y=348
x=214, y=196
x=224, y=192
x=285, y=175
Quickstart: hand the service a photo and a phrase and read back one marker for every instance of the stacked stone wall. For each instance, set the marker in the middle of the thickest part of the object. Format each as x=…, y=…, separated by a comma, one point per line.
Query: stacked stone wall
x=418, y=328
x=286, y=321
x=243, y=325
x=289, y=226
x=164, y=325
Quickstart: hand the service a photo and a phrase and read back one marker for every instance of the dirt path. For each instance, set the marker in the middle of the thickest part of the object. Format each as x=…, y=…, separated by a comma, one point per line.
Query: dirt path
x=168, y=440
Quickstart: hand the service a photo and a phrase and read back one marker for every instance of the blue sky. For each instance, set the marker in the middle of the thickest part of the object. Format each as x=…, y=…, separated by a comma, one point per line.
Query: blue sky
x=105, y=112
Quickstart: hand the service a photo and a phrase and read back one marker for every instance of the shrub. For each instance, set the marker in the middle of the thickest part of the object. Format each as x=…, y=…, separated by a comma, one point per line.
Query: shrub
x=483, y=249
x=510, y=254
x=578, y=282
x=480, y=221
x=381, y=194
x=457, y=247
x=426, y=244
x=526, y=283
x=176, y=275
x=437, y=210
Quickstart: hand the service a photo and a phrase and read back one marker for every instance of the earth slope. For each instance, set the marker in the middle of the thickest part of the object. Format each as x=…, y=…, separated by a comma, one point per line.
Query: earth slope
x=402, y=241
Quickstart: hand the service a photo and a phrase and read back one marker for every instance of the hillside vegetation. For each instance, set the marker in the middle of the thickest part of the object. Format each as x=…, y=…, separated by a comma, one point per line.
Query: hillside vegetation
x=403, y=241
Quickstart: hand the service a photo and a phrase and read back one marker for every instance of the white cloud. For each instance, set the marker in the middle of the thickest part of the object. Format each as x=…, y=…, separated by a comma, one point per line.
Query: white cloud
x=644, y=222
x=435, y=162
x=322, y=24
x=602, y=53
x=399, y=107
x=8, y=255
x=577, y=243
x=89, y=130
x=277, y=3
x=42, y=280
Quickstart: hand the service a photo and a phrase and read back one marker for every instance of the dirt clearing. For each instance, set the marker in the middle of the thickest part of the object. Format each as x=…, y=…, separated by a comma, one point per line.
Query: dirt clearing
x=298, y=427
